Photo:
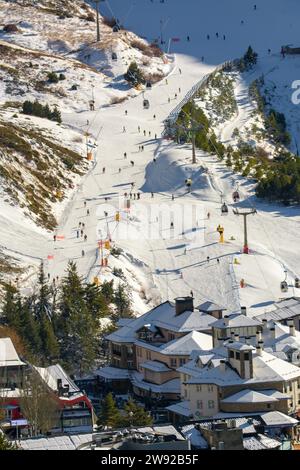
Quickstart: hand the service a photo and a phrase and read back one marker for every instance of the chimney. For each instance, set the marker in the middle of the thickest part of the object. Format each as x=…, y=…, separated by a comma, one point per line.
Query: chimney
x=244, y=310
x=261, y=345
x=222, y=365
x=264, y=324
x=237, y=337
x=292, y=328
x=247, y=340
x=258, y=336
x=226, y=320
x=272, y=331
x=184, y=304
x=258, y=350
x=232, y=334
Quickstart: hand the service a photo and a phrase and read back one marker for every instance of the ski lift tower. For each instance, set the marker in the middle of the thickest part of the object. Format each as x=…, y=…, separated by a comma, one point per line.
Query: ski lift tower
x=245, y=214
x=97, y=16
x=192, y=129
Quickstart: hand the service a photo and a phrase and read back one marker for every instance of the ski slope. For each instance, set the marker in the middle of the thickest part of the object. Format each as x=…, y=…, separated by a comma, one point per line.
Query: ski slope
x=163, y=262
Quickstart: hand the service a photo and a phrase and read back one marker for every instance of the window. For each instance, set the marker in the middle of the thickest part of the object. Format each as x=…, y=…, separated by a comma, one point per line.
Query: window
x=171, y=336
x=181, y=361
x=199, y=404
x=246, y=356
x=237, y=356
x=148, y=355
x=210, y=388
x=173, y=362
x=198, y=388
x=185, y=393
x=231, y=354
x=211, y=404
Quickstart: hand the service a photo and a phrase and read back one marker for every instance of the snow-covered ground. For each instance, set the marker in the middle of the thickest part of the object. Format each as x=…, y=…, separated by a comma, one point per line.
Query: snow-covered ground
x=159, y=265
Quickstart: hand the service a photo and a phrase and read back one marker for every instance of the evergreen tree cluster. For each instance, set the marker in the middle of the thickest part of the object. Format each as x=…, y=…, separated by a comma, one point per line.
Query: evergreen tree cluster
x=35, y=108
x=134, y=75
x=132, y=414
x=248, y=60
x=62, y=323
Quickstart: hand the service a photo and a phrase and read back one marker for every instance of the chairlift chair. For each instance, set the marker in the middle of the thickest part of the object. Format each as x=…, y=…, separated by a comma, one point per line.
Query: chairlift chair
x=148, y=85
x=224, y=209
x=236, y=196
x=297, y=283
x=284, y=286
x=146, y=104
x=114, y=56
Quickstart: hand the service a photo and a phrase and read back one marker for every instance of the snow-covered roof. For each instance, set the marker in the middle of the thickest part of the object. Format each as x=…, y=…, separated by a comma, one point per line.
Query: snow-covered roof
x=253, y=396
x=67, y=442
x=276, y=418
x=282, y=340
x=155, y=366
x=209, y=307
x=236, y=320
x=163, y=316
x=238, y=346
x=172, y=386
x=266, y=368
x=8, y=354
x=113, y=373
x=181, y=408
x=260, y=442
x=285, y=309
x=51, y=374
x=182, y=346
x=195, y=436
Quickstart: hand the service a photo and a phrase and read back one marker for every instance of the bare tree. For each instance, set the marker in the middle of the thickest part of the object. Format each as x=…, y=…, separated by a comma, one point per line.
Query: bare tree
x=38, y=405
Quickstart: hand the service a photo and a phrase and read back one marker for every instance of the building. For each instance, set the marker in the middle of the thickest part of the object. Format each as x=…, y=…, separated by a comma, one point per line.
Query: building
x=285, y=310
x=75, y=409
x=146, y=351
x=235, y=325
x=237, y=378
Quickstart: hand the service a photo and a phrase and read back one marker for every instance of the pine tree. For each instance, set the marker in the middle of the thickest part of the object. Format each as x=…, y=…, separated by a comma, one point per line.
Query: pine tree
x=5, y=444
x=122, y=301
x=109, y=415
x=76, y=328
x=136, y=415
x=10, y=311
x=134, y=75
x=29, y=329
x=96, y=302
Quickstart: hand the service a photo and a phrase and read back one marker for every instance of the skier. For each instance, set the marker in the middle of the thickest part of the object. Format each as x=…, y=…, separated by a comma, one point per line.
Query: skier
x=54, y=238
x=217, y=35
x=218, y=261
x=83, y=225
x=208, y=215
x=119, y=170
x=152, y=194
x=180, y=71
x=132, y=163
x=154, y=159
x=139, y=129
x=103, y=170
x=138, y=195
x=144, y=133
x=142, y=147
x=84, y=203
x=166, y=81
x=85, y=238
x=269, y=51
x=149, y=133
x=88, y=212
x=207, y=259
x=82, y=253
x=124, y=129
x=125, y=155
x=169, y=100
x=224, y=37
x=255, y=7
x=126, y=112
x=154, y=116
x=81, y=232
x=179, y=89
x=106, y=213
x=49, y=276
x=79, y=224
x=208, y=37
x=77, y=233
x=188, y=38
x=155, y=136
x=184, y=252
x=175, y=96
x=130, y=195
x=134, y=195
x=173, y=197
x=192, y=293
x=172, y=225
